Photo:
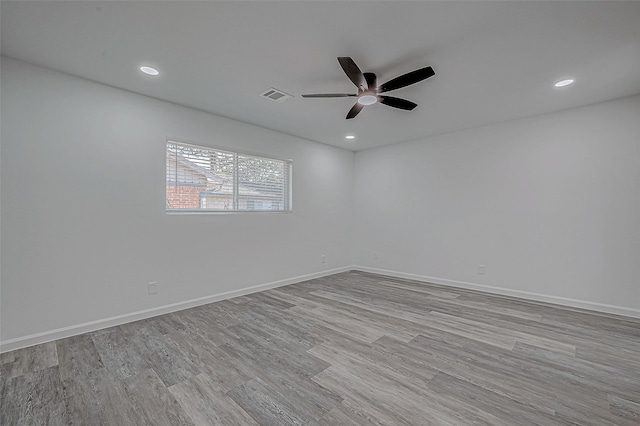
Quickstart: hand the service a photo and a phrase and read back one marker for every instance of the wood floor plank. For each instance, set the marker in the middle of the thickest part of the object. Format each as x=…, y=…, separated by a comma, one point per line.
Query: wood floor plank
x=172, y=365
x=577, y=412
x=357, y=330
x=143, y=399
x=354, y=362
x=208, y=406
x=77, y=355
x=500, y=406
x=165, y=324
x=32, y=359
x=419, y=288
x=270, y=353
x=624, y=408
x=119, y=352
x=85, y=397
x=455, y=365
x=266, y=299
x=267, y=406
x=623, y=359
x=290, y=376
x=344, y=417
x=7, y=357
x=355, y=317
x=409, y=405
x=375, y=304
x=225, y=372
x=575, y=386
x=344, y=352
x=533, y=340
x=240, y=299
x=205, y=327
x=293, y=299
x=34, y=398
x=287, y=328
x=84, y=379
x=489, y=307
x=359, y=398
x=600, y=376
x=534, y=329
x=609, y=337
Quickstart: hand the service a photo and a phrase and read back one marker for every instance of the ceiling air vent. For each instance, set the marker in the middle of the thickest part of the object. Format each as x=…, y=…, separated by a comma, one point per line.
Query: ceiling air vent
x=276, y=95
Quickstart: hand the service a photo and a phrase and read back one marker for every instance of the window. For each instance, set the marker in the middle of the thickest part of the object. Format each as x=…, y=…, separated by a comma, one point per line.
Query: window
x=209, y=179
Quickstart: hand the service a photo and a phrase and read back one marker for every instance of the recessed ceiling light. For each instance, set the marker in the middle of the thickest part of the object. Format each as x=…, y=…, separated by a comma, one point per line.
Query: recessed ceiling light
x=350, y=137
x=564, y=83
x=149, y=70
x=367, y=99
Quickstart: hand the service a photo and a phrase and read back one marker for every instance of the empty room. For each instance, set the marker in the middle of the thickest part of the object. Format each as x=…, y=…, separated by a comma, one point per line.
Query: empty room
x=320, y=213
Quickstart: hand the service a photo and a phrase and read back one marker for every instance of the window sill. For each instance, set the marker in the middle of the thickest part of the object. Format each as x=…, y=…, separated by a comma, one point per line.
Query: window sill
x=207, y=212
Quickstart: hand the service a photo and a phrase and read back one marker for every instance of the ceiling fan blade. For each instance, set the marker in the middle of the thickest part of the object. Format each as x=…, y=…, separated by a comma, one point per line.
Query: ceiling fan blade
x=328, y=95
x=407, y=79
x=397, y=103
x=353, y=72
x=355, y=110
x=372, y=80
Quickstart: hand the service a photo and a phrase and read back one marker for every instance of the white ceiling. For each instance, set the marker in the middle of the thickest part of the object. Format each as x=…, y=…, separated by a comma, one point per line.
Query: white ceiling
x=494, y=61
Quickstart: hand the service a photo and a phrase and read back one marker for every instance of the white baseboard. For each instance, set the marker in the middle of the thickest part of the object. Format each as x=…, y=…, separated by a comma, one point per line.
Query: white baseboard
x=60, y=333
x=564, y=301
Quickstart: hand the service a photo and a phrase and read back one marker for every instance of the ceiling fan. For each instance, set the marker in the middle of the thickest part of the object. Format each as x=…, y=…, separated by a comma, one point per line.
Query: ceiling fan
x=369, y=91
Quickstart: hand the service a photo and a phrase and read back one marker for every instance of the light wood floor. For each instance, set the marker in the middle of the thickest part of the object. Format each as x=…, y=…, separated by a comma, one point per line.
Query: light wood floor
x=349, y=349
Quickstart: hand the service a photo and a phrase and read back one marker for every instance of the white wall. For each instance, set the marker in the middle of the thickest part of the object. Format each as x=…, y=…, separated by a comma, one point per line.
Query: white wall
x=549, y=204
x=84, y=227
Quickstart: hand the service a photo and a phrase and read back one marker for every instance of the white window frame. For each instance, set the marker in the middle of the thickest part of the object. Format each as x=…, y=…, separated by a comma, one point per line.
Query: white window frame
x=288, y=199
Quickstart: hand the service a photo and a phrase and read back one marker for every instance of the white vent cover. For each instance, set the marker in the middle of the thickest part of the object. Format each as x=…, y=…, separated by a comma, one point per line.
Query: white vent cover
x=276, y=95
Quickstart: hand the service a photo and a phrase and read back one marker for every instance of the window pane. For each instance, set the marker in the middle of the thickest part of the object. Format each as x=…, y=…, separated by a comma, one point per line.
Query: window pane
x=262, y=183
x=199, y=178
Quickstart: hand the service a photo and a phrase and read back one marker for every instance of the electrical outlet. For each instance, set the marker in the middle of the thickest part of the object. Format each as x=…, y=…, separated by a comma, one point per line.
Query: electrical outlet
x=153, y=287
x=481, y=269
x=375, y=255
x=323, y=258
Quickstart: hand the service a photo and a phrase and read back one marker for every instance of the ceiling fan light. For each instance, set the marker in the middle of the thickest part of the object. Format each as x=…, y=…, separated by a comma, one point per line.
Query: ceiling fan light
x=367, y=100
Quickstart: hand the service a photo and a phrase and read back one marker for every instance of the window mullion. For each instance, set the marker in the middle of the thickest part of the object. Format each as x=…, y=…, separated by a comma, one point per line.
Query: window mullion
x=235, y=182
x=287, y=187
